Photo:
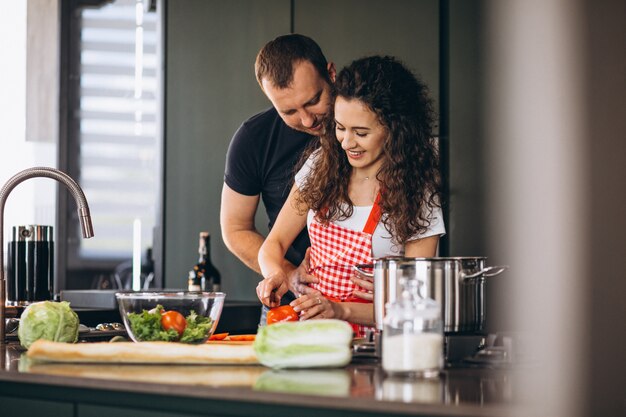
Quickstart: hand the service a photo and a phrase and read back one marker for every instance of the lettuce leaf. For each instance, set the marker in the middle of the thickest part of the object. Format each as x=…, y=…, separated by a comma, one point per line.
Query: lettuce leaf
x=197, y=329
x=304, y=344
x=146, y=326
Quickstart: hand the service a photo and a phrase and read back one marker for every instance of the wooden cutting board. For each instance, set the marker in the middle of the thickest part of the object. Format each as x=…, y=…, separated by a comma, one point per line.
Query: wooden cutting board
x=143, y=353
x=199, y=375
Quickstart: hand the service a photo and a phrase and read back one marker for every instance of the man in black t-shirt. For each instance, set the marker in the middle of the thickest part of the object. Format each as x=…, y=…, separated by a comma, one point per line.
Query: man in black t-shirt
x=262, y=157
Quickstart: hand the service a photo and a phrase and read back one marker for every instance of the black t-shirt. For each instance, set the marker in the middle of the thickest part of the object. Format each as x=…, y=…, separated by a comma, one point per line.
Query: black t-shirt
x=262, y=159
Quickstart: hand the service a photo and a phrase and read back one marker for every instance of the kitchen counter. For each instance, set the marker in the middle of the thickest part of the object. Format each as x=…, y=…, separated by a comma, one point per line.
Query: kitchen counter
x=360, y=389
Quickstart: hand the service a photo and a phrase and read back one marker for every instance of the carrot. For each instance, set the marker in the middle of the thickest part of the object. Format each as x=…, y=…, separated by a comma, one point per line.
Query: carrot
x=242, y=337
x=218, y=336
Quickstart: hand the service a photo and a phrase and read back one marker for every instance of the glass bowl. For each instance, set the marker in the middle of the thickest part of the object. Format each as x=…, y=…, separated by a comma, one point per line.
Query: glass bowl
x=186, y=317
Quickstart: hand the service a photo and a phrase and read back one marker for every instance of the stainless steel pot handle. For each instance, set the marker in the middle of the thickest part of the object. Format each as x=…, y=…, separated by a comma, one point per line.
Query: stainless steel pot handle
x=490, y=271
x=359, y=268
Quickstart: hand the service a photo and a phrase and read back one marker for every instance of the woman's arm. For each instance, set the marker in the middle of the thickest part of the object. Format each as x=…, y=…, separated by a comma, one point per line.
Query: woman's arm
x=289, y=224
x=422, y=248
x=419, y=248
x=364, y=313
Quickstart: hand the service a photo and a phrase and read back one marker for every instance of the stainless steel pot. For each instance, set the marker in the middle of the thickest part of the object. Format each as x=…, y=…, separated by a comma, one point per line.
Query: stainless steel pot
x=457, y=283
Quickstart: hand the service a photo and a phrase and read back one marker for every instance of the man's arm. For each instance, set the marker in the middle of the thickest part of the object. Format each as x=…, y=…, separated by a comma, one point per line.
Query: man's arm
x=289, y=223
x=244, y=241
x=238, y=230
x=237, y=214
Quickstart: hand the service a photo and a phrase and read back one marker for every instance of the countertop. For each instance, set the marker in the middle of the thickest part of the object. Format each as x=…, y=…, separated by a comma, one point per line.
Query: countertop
x=361, y=388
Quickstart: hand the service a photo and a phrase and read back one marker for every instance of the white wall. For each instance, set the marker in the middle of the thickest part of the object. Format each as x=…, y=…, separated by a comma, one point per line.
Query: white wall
x=33, y=201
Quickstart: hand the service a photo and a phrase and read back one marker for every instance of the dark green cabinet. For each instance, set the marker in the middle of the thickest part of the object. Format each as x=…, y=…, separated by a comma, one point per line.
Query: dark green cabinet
x=88, y=410
x=12, y=406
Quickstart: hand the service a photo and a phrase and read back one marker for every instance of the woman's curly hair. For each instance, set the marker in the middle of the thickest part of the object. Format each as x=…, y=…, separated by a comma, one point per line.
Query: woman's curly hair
x=410, y=181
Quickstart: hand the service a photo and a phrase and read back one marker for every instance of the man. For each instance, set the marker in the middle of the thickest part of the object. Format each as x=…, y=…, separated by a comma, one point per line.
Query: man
x=261, y=160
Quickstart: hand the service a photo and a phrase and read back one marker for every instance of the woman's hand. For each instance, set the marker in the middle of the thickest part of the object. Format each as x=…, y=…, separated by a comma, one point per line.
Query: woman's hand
x=315, y=306
x=365, y=286
x=272, y=288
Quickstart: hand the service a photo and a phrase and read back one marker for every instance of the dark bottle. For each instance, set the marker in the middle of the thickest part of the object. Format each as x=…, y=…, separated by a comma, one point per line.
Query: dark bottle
x=208, y=275
x=194, y=282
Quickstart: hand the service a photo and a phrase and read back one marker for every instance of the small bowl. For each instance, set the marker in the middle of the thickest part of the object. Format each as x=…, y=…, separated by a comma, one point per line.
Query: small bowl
x=139, y=312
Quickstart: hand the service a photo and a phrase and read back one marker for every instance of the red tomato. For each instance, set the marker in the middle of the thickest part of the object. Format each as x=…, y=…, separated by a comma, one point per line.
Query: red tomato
x=282, y=313
x=173, y=320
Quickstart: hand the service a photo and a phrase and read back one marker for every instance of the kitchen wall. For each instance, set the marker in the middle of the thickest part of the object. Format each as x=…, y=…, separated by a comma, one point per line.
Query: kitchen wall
x=210, y=89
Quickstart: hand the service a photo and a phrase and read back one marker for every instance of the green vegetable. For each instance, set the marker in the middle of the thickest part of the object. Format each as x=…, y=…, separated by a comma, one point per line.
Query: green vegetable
x=146, y=326
x=198, y=328
x=304, y=344
x=48, y=320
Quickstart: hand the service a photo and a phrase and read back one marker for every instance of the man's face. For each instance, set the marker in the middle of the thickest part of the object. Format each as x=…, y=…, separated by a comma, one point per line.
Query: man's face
x=306, y=102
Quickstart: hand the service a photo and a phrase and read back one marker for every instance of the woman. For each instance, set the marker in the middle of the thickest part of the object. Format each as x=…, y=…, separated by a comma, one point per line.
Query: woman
x=372, y=189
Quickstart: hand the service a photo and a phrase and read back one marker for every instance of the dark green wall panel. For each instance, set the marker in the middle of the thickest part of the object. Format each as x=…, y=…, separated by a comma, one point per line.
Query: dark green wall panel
x=467, y=221
x=210, y=89
x=350, y=29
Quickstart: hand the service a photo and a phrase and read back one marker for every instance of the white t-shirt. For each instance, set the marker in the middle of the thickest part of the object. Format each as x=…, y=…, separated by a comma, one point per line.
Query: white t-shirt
x=381, y=240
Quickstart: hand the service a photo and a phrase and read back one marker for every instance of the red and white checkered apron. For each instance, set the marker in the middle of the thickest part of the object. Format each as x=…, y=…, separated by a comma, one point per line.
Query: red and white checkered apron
x=334, y=252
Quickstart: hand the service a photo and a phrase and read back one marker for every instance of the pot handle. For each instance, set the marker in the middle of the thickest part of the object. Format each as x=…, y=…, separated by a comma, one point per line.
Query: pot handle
x=490, y=271
x=359, y=268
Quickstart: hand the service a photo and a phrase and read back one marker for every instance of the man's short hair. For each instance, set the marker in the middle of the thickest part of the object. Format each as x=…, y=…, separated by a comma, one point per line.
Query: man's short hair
x=276, y=59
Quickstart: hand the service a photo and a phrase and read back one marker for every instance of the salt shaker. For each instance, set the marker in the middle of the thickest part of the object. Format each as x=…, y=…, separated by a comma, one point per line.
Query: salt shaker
x=412, y=333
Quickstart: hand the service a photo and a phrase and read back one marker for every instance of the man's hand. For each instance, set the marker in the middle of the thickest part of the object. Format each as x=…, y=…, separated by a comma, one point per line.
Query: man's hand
x=272, y=289
x=299, y=279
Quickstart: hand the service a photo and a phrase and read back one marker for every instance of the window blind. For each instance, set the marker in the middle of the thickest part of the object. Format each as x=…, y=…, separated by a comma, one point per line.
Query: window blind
x=118, y=127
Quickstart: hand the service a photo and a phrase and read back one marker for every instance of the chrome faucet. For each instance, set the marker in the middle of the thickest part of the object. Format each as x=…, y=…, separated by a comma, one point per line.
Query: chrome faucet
x=83, y=216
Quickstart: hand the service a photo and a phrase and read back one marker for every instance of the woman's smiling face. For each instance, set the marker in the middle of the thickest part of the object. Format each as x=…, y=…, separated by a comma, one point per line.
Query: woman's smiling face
x=360, y=133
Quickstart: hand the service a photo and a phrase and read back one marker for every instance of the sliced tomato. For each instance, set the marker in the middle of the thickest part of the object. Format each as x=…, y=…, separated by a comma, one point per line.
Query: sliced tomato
x=282, y=313
x=173, y=320
x=218, y=336
x=242, y=337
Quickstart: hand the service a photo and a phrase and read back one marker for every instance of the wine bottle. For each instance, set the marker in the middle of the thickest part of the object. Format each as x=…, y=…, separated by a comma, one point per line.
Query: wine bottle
x=194, y=281
x=208, y=274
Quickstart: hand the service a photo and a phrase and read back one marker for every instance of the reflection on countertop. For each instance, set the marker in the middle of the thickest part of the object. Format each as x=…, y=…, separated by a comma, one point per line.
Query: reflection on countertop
x=361, y=380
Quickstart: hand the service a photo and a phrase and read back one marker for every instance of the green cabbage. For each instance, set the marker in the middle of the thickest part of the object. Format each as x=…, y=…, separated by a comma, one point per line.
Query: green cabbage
x=304, y=344
x=48, y=320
